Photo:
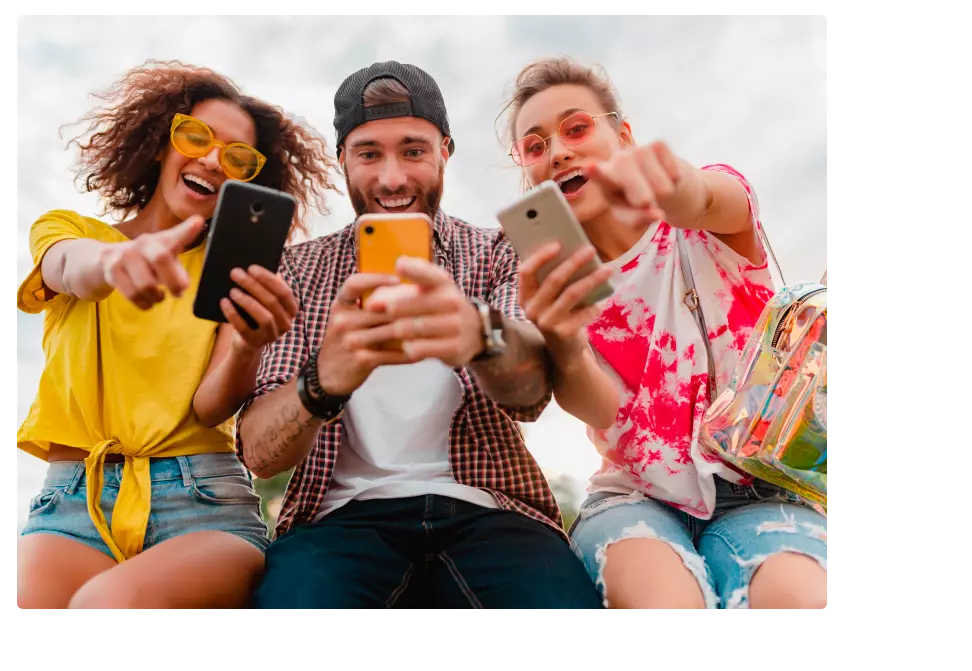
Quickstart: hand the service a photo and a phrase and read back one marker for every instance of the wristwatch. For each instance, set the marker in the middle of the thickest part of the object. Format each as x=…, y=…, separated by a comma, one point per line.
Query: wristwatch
x=492, y=320
x=313, y=397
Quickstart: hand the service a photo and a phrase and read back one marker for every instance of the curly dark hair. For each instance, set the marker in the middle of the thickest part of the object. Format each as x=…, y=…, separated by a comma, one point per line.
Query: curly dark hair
x=126, y=133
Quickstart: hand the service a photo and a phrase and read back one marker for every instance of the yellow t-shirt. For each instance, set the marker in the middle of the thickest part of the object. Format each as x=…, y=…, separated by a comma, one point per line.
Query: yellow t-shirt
x=117, y=380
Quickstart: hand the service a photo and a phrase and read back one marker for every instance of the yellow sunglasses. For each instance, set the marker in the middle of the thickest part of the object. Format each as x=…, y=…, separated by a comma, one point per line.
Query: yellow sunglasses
x=192, y=138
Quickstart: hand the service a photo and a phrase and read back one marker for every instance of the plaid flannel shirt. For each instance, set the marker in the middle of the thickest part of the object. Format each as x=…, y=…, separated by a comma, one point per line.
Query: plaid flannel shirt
x=486, y=446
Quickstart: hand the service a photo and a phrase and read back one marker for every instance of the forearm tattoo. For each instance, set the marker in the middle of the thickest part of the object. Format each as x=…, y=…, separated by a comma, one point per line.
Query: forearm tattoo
x=520, y=376
x=271, y=449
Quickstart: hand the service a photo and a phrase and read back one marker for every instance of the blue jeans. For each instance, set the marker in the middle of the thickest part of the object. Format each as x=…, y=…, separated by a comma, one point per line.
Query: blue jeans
x=749, y=525
x=193, y=493
x=423, y=552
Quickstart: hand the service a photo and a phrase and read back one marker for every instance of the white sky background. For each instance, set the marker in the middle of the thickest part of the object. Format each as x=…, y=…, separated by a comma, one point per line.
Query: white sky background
x=748, y=91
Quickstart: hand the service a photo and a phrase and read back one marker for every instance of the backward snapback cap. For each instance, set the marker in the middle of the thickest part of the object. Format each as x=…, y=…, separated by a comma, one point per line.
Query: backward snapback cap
x=426, y=99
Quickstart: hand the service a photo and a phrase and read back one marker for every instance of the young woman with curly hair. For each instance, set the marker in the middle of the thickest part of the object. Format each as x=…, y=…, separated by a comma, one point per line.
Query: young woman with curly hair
x=145, y=503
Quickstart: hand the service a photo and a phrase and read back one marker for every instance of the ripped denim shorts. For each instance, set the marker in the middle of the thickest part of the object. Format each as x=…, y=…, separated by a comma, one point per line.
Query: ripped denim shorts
x=750, y=523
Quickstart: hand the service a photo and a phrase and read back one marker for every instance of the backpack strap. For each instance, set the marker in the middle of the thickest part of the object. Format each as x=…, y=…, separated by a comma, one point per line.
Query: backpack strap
x=761, y=234
x=691, y=300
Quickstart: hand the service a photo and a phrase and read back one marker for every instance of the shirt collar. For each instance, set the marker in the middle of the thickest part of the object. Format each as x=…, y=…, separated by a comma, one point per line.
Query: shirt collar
x=443, y=227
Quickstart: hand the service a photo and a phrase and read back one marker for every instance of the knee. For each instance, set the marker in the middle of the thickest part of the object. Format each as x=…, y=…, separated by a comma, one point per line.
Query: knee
x=111, y=594
x=270, y=598
x=39, y=596
x=804, y=599
x=301, y=588
x=561, y=589
x=789, y=580
x=633, y=598
x=791, y=596
x=647, y=573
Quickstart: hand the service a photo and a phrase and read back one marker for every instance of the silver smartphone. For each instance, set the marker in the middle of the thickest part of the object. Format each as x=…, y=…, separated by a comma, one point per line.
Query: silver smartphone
x=542, y=216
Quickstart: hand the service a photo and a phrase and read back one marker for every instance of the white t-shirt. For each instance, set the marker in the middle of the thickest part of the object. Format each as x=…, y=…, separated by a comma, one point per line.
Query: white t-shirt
x=648, y=340
x=395, y=442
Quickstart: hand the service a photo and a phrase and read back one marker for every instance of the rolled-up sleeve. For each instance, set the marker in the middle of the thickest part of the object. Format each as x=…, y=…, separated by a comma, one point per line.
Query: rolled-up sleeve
x=54, y=227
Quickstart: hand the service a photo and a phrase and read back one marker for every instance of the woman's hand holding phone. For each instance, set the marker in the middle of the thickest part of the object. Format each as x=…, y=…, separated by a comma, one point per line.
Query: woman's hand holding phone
x=556, y=305
x=267, y=299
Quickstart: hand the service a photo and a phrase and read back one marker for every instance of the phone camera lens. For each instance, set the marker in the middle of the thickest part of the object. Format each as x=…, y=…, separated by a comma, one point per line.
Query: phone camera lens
x=531, y=214
x=369, y=230
x=256, y=208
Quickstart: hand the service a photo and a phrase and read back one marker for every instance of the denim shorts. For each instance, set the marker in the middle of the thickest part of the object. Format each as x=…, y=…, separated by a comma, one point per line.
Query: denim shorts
x=201, y=492
x=750, y=524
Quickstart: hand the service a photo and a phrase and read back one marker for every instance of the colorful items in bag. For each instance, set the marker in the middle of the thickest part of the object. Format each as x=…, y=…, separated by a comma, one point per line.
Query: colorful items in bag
x=771, y=421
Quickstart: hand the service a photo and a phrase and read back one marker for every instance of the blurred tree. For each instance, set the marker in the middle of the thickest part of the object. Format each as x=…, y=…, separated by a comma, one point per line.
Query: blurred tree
x=271, y=493
x=565, y=490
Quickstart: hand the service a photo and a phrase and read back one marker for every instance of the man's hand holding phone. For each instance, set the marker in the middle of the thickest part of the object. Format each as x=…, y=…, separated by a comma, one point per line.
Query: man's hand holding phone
x=556, y=305
x=432, y=316
x=350, y=348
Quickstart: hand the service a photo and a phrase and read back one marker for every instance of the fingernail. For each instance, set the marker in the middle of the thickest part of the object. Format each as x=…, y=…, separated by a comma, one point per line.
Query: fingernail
x=235, y=293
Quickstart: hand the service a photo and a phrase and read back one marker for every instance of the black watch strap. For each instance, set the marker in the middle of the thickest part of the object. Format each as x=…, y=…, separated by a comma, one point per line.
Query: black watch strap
x=317, y=401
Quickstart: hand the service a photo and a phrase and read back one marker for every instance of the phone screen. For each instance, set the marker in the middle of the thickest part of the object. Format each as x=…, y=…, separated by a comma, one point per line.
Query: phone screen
x=249, y=227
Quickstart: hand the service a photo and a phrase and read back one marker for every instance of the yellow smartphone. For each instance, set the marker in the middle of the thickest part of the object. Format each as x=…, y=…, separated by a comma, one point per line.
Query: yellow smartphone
x=382, y=238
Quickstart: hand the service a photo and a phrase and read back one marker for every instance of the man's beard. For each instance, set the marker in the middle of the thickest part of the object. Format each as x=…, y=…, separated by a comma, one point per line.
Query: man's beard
x=428, y=200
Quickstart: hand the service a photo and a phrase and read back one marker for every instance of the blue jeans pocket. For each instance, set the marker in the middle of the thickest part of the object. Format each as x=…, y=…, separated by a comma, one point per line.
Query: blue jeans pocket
x=46, y=500
x=223, y=490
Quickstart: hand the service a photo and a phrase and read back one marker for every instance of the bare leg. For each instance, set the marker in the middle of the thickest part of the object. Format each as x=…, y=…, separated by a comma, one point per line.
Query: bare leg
x=203, y=569
x=789, y=580
x=648, y=573
x=50, y=569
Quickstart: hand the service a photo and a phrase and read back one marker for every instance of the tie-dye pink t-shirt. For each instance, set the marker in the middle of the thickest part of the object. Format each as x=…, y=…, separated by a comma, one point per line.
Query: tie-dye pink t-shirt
x=648, y=339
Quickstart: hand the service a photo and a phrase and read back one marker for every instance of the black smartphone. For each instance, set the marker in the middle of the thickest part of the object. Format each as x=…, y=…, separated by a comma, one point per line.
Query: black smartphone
x=250, y=226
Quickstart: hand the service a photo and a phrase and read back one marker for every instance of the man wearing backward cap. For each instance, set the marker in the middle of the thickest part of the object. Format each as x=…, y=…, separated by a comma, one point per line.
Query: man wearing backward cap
x=412, y=485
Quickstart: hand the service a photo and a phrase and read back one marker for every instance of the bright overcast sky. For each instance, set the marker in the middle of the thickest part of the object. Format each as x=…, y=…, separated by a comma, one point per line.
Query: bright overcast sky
x=748, y=91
